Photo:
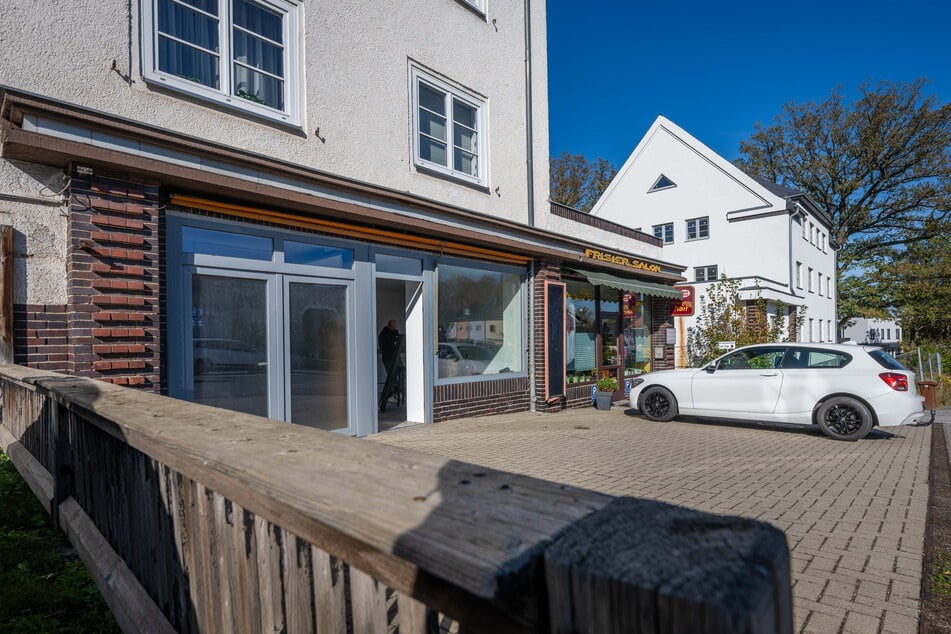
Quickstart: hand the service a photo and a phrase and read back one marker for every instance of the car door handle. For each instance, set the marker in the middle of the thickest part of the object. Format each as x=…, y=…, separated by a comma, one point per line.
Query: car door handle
x=769, y=373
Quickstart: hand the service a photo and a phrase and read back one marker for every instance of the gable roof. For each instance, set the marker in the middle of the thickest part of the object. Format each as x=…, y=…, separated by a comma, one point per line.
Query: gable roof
x=776, y=188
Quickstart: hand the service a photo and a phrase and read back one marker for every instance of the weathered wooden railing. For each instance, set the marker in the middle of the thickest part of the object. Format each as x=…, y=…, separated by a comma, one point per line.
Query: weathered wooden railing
x=198, y=519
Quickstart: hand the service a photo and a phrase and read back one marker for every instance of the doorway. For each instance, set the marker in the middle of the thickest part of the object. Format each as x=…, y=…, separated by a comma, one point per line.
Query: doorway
x=401, y=300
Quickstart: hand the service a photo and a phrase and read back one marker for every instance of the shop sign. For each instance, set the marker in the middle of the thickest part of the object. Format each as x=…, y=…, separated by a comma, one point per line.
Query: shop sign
x=682, y=307
x=603, y=256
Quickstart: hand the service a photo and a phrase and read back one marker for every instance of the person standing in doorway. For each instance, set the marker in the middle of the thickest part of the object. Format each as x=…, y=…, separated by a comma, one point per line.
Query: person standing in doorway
x=389, y=342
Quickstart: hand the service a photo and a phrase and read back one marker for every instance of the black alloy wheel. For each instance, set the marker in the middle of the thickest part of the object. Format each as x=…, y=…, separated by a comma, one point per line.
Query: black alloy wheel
x=658, y=404
x=844, y=418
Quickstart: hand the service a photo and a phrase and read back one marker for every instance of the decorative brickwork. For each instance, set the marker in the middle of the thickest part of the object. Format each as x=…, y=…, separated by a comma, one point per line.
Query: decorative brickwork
x=113, y=270
x=660, y=322
x=545, y=271
x=40, y=336
x=482, y=398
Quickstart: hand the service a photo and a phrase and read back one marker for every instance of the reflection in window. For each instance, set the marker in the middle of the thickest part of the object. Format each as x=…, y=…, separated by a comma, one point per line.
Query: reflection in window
x=317, y=255
x=226, y=243
x=580, y=352
x=610, y=301
x=636, y=335
x=480, y=321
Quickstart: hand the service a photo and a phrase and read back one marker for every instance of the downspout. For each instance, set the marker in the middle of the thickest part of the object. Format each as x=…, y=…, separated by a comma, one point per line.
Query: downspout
x=530, y=166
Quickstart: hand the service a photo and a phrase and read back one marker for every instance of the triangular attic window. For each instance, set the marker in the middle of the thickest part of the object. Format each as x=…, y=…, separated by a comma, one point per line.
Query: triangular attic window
x=662, y=182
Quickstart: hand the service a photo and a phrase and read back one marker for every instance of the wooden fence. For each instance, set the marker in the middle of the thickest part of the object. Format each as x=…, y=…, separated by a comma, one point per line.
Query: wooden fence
x=196, y=519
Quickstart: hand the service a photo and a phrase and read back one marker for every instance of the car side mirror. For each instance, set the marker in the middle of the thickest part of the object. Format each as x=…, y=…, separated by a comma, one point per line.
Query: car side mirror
x=711, y=368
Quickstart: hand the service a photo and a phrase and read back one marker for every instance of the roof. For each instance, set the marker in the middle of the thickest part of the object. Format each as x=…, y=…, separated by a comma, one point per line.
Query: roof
x=776, y=188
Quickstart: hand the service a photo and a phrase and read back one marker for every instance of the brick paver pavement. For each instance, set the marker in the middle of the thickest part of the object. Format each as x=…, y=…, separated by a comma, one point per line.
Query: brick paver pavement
x=853, y=513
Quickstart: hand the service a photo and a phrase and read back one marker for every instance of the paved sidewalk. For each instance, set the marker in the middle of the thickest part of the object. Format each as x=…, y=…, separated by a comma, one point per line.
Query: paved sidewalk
x=853, y=513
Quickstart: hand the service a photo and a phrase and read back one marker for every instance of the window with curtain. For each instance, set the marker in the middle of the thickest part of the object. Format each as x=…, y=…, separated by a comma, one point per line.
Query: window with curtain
x=581, y=356
x=241, y=53
x=637, y=330
x=480, y=316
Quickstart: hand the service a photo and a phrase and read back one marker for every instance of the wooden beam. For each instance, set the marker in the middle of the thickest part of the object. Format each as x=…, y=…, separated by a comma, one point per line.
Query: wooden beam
x=6, y=294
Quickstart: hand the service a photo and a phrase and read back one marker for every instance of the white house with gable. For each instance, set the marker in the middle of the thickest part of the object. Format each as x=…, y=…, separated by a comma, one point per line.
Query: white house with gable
x=720, y=221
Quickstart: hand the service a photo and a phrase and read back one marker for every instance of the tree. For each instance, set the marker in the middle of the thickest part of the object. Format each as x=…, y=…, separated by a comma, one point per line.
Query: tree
x=578, y=182
x=724, y=316
x=880, y=167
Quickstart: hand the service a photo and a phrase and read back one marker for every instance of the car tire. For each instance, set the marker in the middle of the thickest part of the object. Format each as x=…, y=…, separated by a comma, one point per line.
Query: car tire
x=658, y=404
x=844, y=418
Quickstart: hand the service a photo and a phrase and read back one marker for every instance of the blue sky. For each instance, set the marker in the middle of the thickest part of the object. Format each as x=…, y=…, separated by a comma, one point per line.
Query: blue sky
x=716, y=68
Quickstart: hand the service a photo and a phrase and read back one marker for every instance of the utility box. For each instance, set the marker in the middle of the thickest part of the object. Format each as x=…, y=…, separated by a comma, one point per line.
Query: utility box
x=927, y=389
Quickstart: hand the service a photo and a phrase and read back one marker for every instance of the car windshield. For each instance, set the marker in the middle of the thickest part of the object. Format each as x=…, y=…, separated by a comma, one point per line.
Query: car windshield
x=886, y=360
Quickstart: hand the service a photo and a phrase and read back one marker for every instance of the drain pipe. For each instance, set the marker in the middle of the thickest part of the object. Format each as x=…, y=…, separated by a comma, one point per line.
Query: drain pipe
x=529, y=162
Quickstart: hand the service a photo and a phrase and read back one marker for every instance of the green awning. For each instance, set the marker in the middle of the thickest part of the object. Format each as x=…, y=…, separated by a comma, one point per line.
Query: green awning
x=634, y=286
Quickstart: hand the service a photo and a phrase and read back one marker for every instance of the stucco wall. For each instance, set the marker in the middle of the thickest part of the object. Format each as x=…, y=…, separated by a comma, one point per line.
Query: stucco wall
x=29, y=203
x=356, y=59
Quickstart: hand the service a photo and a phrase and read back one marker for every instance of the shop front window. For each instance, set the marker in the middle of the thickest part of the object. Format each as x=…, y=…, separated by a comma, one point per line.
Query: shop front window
x=580, y=352
x=480, y=319
x=610, y=315
x=636, y=335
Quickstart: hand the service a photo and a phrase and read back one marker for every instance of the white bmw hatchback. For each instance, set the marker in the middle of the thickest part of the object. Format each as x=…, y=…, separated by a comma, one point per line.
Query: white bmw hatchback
x=845, y=389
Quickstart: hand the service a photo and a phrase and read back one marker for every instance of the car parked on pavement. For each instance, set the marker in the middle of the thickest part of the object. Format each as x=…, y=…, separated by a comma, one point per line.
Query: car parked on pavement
x=844, y=389
x=227, y=355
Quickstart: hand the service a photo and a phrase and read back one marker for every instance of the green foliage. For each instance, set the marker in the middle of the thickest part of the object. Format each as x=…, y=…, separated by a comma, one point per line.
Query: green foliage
x=578, y=182
x=44, y=588
x=723, y=316
x=941, y=572
x=879, y=166
x=607, y=384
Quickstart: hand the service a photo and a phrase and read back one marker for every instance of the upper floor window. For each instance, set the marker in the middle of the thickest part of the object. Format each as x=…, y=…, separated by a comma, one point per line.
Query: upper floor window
x=828, y=286
x=812, y=233
x=241, y=53
x=811, y=290
x=798, y=274
x=478, y=5
x=665, y=232
x=662, y=182
x=448, y=129
x=698, y=228
x=705, y=273
x=820, y=284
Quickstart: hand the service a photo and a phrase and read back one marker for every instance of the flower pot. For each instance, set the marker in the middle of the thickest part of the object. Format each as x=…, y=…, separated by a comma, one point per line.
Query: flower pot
x=603, y=400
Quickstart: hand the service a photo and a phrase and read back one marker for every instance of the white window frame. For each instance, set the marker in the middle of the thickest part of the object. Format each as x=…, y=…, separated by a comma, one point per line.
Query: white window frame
x=696, y=221
x=706, y=273
x=811, y=276
x=478, y=5
x=663, y=230
x=293, y=66
x=819, y=284
x=480, y=104
x=798, y=274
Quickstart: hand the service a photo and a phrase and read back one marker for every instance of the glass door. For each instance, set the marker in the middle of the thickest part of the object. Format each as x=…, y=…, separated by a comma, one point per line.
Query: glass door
x=228, y=352
x=317, y=343
x=609, y=320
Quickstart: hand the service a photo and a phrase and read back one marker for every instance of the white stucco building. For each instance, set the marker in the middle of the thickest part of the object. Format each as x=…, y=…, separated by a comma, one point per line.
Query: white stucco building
x=225, y=201
x=719, y=221
x=878, y=332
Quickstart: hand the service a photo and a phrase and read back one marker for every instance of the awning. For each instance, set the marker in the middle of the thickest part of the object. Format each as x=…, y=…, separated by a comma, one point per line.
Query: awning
x=635, y=286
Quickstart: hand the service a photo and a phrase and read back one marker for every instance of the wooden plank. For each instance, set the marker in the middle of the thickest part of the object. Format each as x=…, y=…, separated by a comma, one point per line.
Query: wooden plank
x=646, y=566
x=33, y=473
x=127, y=600
x=330, y=598
x=222, y=534
x=246, y=581
x=298, y=585
x=269, y=553
x=368, y=603
x=6, y=294
x=415, y=617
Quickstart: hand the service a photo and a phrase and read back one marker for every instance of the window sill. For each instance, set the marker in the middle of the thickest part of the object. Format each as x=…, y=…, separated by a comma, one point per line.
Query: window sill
x=458, y=180
x=697, y=239
x=475, y=378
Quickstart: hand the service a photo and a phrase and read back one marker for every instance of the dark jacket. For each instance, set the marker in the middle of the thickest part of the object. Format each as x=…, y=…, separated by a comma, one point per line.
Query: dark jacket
x=389, y=341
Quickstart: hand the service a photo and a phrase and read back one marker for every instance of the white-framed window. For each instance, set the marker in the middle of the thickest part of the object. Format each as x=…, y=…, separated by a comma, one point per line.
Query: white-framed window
x=823, y=242
x=661, y=183
x=810, y=280
x=664, y=232
x=811, y=330
x=478, y=5
x=820, y=331
x=244, y=54
x=820, y=284
x=812, y=233
x=798, y=274
x=829, y=287
x=448, y=129
x=705, y=273
x=698, y=228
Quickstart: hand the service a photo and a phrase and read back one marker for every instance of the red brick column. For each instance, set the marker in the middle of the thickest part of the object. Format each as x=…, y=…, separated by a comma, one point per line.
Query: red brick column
x=545, y=271
x=113, y=279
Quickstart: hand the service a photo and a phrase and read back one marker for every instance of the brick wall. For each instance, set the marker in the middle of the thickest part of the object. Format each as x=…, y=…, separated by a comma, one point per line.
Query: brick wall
x=113, y=280
x=545, y=271
x=40, y=336
x=481, y=398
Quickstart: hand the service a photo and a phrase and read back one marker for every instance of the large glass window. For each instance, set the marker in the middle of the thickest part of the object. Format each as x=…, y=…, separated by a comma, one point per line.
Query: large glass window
x=238, y=52
x=610, y=317
x=636, y=335
x=480, y=319
x=698, y=228
x=581, y=357
x=665, y=232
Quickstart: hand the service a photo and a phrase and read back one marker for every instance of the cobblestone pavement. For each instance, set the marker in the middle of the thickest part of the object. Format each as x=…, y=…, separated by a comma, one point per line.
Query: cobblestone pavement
x=853, y=513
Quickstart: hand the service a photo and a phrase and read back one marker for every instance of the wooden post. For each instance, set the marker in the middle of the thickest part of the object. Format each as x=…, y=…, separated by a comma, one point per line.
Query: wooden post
x=62, y=470
x=6, y=294
x=646, y=566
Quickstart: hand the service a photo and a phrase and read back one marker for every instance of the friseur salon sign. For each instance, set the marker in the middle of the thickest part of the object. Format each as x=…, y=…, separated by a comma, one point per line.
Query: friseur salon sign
x=682, y=307
x=602, y=256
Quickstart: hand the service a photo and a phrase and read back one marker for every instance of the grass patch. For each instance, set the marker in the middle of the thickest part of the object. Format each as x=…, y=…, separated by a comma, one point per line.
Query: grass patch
x=941, y=572
x=44, y=588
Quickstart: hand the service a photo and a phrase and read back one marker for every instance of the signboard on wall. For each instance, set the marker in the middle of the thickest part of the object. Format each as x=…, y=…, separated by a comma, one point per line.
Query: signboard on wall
x=683, y=307
x=554, y=340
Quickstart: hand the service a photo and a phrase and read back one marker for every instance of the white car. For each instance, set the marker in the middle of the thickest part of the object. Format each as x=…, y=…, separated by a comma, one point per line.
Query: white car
x=844, y=389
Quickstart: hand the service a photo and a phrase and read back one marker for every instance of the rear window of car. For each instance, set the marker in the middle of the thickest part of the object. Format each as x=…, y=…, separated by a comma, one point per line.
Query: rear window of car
x=886, y=360
x=801, y=358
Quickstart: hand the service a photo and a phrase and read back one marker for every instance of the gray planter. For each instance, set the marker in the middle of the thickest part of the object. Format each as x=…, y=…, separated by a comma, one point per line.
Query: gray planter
x=603, y=400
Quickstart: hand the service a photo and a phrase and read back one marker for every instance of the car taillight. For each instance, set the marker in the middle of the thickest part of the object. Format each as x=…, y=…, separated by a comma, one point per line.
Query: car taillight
x=895, y=381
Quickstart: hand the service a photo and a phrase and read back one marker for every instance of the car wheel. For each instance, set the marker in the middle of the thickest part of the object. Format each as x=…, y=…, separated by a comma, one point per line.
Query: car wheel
x=657, y=403
x=844, y=418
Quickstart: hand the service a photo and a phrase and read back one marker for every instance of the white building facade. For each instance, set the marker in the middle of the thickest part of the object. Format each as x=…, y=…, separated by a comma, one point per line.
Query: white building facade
x=876, y=332
x=225, y=201
x=721, y=222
